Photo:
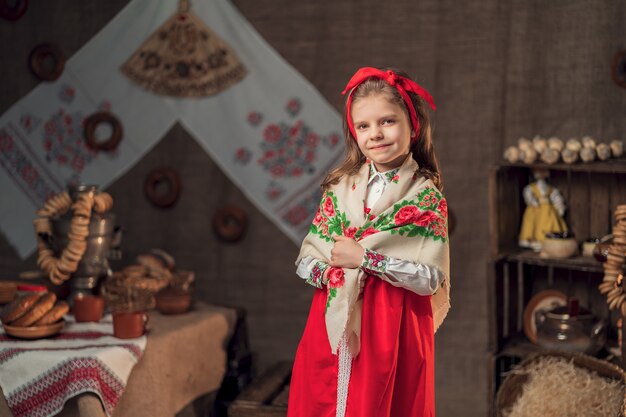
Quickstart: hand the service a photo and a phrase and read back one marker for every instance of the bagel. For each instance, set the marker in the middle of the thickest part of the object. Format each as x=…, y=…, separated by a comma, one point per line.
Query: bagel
x=43, y=305
x=89, y=131
x=163, y=175
x=39, y=58
x=230, y=223
x=13, y=10
x=19, y=307
x=167, y=259
x=55, y=314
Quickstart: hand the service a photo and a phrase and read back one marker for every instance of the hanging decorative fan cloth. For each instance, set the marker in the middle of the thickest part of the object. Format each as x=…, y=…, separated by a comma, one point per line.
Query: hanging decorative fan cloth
x=184, y=58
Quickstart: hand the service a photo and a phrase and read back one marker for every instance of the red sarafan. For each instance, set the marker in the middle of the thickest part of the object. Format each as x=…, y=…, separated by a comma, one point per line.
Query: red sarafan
x=393, y=375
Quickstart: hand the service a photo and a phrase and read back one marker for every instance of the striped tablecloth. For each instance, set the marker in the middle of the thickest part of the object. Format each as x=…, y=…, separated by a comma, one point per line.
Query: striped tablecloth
x=39, y=376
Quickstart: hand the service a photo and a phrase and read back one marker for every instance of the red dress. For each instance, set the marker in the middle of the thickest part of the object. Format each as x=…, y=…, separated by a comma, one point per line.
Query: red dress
x=393, y=375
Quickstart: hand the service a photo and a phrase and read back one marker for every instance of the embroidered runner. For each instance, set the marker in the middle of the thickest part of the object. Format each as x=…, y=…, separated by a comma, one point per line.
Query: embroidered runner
x=39, y=376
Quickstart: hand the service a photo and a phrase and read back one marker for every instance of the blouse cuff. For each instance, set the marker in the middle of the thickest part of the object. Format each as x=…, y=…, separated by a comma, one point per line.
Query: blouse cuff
x=374, y=262
x=317, y=274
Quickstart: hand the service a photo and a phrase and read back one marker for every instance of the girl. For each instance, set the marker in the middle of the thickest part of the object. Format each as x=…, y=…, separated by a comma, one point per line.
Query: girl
x=377, y=252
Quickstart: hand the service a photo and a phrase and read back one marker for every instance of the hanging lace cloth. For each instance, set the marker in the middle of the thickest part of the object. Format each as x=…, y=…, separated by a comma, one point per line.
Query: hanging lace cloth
x=184, y=58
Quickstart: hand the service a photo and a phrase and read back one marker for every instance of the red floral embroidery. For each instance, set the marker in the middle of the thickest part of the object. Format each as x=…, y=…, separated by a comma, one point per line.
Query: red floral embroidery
x=272, y=133
x=426, y=218
x=439, y=227
x=296, y=129
x=318, y=218
x=312, y=139
x=316, y=274
x=443, y=208
x=278, y=171
x=350, y=231
x=332, y=140
x=254, y=118
x=243, y=155
x=395, y=178
x=293, y=106
x=406, y=215
x=329, y=209
x=335, y=277
x=369, y=231
x=374, y=258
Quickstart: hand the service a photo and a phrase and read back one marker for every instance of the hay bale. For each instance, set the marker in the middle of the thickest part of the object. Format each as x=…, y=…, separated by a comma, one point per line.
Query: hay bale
x=563, y=385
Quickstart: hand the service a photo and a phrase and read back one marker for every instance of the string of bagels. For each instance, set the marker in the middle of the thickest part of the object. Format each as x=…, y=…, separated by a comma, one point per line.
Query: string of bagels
x=59, y=269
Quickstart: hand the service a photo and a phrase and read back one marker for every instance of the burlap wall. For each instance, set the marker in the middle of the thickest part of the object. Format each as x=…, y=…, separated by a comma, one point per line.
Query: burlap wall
x=497, y=70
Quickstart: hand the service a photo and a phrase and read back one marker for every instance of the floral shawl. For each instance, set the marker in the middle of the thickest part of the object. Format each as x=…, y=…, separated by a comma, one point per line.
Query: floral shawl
x=409, y=221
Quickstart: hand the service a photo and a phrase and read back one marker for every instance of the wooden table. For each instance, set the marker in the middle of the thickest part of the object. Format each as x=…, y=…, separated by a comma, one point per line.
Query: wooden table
x=185, y=358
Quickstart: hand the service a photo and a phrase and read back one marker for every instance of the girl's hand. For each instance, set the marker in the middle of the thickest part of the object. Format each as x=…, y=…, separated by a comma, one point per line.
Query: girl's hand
x=346, y=253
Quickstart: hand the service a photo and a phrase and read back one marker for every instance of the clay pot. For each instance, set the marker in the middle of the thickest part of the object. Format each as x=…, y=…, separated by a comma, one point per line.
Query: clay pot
x=171, y=301
x=129, y=325
x=88, y=308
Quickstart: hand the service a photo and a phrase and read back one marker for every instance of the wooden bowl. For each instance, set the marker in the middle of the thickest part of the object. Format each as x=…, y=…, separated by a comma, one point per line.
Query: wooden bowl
x=34, y=332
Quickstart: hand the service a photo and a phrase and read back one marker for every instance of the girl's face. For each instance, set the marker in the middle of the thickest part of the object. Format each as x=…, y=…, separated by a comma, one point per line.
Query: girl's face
x=383, y=131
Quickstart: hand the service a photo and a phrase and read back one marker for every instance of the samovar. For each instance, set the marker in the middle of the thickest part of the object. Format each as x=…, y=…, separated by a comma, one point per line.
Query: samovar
x=103, y=244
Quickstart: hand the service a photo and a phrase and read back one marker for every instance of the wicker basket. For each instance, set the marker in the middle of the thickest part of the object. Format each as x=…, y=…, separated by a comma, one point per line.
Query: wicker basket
x=123, y=294
x=512, y=386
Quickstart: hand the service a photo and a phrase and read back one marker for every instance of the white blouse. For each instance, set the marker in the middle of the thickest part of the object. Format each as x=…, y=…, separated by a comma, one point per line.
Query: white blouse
x=416, y=277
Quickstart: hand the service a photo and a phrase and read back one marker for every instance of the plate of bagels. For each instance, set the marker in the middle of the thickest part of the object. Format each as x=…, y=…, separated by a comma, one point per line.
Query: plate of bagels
x=34, y=316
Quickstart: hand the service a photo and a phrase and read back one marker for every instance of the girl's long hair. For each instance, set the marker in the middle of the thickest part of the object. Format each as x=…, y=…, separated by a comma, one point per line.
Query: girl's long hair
x=421, y=148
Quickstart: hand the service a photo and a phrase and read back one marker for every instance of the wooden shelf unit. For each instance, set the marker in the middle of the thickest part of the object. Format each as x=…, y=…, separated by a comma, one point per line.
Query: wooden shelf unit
x=591, y=192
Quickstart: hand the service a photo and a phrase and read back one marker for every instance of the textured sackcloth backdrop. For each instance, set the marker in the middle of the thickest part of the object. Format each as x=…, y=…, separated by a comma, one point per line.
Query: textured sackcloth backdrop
x=498, y=70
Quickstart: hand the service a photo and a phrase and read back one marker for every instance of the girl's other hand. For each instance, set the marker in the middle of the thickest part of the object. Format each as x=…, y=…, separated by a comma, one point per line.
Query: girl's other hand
x=346, y=253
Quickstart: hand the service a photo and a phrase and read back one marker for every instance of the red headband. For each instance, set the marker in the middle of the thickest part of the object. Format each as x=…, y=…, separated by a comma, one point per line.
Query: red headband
x=401, y=84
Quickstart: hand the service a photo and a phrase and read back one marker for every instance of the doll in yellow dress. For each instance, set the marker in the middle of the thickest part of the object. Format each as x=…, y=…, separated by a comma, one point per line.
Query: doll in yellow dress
x=544, y=211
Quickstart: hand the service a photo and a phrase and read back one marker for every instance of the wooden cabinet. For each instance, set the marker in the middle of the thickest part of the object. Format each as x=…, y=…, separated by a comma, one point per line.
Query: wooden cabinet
x=591, y=191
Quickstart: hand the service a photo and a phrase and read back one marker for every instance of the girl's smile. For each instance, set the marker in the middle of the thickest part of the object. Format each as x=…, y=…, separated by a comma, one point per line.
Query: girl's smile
x=383, y=131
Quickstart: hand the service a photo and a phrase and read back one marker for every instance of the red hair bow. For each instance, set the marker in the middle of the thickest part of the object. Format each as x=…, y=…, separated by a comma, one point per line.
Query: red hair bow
x=400, y=83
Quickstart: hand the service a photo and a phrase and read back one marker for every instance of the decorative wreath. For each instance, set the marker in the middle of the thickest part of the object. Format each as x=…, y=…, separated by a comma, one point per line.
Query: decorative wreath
x=92, y=123
x=39, y=60
x=163, y=175
x=59, y=269
x=13, y=10
x=229, y=223
x=614, y=265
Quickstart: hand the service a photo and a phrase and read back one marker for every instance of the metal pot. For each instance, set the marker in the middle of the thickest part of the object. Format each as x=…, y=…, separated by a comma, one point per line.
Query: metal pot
x=570, y=328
